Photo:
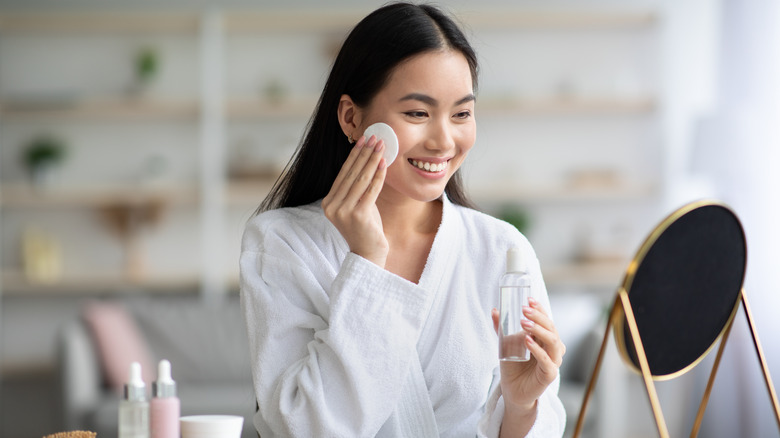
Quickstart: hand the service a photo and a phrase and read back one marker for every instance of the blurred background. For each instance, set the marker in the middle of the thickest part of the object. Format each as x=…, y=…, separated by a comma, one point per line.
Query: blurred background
x=137, y=137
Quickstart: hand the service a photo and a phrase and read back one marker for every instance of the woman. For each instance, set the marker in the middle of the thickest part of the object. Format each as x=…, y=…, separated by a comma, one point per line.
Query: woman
x=368, y=290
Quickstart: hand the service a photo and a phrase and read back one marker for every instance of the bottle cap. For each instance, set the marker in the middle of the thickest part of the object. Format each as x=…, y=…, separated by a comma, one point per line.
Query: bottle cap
x=164, y=386
x=514, y=260
x=135, y=389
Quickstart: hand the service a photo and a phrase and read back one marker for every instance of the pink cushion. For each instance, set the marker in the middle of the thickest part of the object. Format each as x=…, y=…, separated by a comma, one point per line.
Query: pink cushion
x=119, y=343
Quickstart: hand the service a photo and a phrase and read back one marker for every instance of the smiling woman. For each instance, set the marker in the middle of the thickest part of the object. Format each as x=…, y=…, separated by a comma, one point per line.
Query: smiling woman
x=369, y=289
x=379, y=43
x=423, y=101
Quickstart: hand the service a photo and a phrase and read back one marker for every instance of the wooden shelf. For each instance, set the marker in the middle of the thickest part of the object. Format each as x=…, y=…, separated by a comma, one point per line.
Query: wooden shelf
x=601, y=274
x=341, y=20
x=16, y=283
x=102, y=109
x=99, y=22
x=558, y=19
x=565, y=105
x=249, y=192
x=302, y=107
x=315, y=20
x=25, y=196
x=312, y=20
x=514, y=192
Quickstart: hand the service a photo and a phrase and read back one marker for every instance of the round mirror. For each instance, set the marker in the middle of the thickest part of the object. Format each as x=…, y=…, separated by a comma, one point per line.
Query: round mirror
x=684, y=286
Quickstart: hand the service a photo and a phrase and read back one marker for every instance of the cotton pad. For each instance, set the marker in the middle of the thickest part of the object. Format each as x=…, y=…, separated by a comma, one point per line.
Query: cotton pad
x=384, y=132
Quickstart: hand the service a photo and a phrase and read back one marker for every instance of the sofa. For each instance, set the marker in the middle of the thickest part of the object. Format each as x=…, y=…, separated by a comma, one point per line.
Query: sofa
x=207, y=347
x=205, y=343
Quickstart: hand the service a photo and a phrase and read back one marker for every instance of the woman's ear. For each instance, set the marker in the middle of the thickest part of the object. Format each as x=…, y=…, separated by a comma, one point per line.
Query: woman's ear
x=349, y=117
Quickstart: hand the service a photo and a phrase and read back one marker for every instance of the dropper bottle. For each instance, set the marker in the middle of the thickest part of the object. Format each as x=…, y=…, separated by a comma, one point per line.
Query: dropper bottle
x=165, y=406
x=134, y=408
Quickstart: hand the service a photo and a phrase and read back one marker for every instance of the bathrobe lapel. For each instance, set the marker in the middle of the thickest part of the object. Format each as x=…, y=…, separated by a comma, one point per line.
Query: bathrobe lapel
x=414, y=415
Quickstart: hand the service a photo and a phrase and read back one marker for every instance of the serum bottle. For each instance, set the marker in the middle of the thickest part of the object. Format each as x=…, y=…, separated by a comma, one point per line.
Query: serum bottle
x=165, y=407
x=514, y=290
x=134, y=408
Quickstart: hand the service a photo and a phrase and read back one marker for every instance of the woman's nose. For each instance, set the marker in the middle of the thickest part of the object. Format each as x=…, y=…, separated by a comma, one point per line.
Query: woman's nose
x=441, y=137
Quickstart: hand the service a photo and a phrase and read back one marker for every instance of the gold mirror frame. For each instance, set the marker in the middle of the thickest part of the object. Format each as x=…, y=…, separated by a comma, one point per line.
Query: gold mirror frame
x=630, y=275
x=622, y=313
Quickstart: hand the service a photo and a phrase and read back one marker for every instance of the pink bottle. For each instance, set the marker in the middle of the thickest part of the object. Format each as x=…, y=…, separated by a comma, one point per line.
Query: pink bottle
x=165, y=407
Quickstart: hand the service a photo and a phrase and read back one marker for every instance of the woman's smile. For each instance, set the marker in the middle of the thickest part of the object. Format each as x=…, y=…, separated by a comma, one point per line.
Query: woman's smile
x=430, y=167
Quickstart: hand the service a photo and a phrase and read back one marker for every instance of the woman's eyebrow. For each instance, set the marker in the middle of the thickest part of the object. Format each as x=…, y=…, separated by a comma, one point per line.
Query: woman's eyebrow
x=424, y=98
x=468, y=98
x=421, y=97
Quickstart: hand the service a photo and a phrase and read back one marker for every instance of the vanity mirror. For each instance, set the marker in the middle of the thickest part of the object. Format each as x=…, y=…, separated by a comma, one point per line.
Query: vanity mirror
x=679, y=296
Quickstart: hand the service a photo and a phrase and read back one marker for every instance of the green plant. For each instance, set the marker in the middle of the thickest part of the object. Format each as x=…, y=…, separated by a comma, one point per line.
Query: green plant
x=515, y=216
x=44, y=150
x=146, y=64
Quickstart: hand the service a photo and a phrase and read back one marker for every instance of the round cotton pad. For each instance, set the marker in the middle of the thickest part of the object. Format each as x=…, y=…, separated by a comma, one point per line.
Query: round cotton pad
x=384, y=132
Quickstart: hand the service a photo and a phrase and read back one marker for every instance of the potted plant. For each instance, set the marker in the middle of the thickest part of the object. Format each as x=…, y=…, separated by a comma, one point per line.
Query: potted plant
x=43, y=156
x=515, y=215
x=146, y=65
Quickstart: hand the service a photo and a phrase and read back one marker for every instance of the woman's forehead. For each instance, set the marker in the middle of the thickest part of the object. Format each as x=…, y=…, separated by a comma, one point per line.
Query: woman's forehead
x=443, y=75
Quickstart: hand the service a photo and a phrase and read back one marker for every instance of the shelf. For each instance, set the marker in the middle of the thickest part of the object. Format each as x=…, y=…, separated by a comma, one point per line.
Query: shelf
x=492, y=106
x=16, y=283
x=239, y=109
x=558, y=19
x=565, y=105
x=603, y=274
x=515, y=192
x=102, y=109
x=25, y=196
x=238, y=193
x=248, y=193
x=322, y=20
x=335, y=20
x=95, y=22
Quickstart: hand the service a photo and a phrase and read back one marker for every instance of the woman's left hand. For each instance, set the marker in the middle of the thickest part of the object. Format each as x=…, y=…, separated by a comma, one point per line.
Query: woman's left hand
x=522, y=383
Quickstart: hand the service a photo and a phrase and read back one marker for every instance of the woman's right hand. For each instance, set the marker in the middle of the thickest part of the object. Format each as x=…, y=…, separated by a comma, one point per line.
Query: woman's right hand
x=351, y=203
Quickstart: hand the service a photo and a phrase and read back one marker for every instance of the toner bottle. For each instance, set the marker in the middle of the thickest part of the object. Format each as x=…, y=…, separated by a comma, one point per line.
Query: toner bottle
x=514, y=291
x=165, y=407
x=134, y=408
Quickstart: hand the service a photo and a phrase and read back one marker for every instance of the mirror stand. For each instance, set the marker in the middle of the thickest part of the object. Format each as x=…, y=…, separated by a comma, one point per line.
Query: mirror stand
x=622, y=308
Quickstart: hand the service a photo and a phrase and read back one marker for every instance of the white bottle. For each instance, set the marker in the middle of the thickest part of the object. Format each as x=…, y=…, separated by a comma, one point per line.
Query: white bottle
x=514, y=290
x=165, y=407
x=134, y=408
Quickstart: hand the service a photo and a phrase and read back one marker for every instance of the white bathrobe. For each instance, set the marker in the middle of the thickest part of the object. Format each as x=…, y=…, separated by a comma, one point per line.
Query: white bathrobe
x=333, y=337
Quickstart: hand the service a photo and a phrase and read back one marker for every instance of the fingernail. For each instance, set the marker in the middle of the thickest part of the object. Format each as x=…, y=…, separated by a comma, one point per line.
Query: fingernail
x=528, y=310
x=527, y=324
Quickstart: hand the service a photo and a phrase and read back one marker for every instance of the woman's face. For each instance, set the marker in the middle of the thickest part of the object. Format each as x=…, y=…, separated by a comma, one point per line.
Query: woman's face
x=429, y=102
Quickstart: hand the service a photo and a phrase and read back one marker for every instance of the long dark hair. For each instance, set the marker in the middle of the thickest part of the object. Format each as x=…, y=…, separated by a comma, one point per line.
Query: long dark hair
x=376, y=45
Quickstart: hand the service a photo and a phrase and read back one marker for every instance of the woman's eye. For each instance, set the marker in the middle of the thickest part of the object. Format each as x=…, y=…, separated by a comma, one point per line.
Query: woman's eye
x=463, y=115
x=417, y=114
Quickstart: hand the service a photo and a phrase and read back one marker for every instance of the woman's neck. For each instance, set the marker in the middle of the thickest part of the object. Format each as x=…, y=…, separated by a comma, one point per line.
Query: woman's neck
x=409, y=217
x=410, y=228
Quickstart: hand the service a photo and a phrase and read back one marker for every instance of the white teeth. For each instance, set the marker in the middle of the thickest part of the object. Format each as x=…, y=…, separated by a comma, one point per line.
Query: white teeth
x=429, y=167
